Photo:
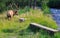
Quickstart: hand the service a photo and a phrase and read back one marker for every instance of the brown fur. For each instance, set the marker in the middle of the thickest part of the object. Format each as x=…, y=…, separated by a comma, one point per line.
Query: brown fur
x=11, y=13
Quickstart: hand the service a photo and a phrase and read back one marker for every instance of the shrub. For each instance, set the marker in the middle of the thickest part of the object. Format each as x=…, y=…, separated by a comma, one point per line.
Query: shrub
x=24, y=10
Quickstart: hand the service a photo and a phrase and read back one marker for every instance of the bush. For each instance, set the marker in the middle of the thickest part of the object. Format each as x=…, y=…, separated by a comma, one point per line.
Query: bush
x=45, y=8
x=24, y=10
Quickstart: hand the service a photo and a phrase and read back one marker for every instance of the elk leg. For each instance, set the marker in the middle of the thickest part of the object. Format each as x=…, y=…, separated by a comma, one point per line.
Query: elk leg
x=8, y=17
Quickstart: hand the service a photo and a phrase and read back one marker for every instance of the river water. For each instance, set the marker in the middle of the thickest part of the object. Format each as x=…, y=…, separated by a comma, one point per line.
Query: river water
x=56, y=16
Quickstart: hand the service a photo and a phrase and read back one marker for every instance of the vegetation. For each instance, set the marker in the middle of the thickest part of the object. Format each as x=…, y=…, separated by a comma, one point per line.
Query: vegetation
x=16, y=4
x=54, y=4
x=16, y=29
x=45, y=7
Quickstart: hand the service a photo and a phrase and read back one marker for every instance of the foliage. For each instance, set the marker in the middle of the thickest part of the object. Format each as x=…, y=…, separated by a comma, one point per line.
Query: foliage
x=15, y=29
x=54, y=4
x=32, y=16
x=24, y=10
x=45, y=7
x=39, y=17
x=4, y=5
x=45, y=4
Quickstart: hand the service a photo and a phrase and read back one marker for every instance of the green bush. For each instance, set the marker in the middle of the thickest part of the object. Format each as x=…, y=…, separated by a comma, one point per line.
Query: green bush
x=45, y=7
x=24, y=10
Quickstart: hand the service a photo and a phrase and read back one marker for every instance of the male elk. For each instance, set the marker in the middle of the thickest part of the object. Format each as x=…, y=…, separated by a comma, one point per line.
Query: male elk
x=11, y=13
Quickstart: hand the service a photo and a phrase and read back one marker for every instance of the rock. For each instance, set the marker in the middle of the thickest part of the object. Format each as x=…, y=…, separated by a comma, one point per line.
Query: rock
x=22, y=19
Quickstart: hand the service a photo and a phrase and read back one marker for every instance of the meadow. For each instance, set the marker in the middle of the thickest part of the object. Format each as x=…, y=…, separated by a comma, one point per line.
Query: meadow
x=16, y=29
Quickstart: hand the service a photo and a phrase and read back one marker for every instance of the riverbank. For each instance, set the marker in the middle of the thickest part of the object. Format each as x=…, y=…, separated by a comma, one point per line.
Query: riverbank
x=56, y=16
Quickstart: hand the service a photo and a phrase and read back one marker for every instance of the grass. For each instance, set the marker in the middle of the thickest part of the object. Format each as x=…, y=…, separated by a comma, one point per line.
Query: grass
x=15, y=29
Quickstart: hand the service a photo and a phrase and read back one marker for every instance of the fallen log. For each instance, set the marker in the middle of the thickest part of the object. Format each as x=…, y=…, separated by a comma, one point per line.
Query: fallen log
x=44, y=27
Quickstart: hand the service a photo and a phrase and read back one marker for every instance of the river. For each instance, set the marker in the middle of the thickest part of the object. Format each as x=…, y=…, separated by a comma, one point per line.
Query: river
x=56, y=16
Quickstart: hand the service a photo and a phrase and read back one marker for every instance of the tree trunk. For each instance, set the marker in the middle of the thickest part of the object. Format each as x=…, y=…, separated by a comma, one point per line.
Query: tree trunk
x=30, y=3
x=34, y=4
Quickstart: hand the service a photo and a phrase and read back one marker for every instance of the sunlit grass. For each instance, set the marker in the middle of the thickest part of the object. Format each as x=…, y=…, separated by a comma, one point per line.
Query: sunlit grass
x=14, y=26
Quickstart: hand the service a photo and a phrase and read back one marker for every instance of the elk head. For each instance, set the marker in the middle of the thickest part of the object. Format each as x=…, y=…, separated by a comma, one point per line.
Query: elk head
x=15, y=12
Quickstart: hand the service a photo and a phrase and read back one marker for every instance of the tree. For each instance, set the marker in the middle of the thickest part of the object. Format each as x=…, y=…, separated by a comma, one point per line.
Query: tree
x=45, y=7
x=34, y=4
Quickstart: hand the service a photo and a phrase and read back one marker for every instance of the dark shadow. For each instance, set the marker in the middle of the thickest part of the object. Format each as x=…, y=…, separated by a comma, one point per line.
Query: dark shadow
x=54, y=4
x=8, y=30
x=33, y=29
x=36, y=29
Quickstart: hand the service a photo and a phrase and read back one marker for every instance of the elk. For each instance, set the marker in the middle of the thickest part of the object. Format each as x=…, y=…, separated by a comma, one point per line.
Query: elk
x=11, y=13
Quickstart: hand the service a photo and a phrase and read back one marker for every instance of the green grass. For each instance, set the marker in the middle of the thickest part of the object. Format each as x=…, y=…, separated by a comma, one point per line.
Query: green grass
x=15, y=29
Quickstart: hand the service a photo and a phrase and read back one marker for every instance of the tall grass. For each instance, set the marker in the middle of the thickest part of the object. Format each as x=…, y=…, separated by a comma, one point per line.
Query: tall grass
x=16, y=29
